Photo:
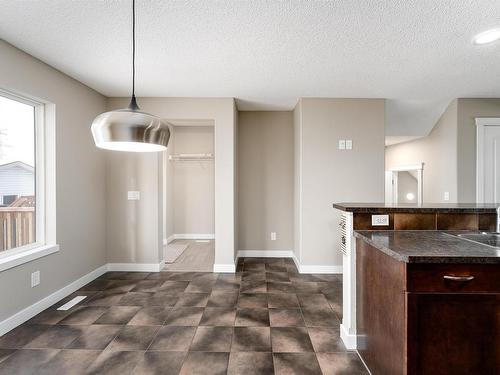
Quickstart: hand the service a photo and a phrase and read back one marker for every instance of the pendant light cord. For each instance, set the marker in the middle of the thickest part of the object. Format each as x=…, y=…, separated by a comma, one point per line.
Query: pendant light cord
x=133, y=103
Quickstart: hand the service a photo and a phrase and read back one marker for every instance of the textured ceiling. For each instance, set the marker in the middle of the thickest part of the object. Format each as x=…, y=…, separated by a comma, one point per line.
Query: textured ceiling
x=418, y=54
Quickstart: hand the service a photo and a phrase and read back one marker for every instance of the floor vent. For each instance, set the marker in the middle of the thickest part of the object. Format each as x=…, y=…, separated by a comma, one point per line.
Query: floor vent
x=73, y=302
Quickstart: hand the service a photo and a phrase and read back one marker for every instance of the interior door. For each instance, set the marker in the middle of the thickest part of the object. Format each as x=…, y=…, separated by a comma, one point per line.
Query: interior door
x=491, y=170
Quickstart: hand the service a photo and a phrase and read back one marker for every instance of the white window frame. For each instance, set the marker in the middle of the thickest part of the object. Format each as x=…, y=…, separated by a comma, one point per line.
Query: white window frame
x=45, y=239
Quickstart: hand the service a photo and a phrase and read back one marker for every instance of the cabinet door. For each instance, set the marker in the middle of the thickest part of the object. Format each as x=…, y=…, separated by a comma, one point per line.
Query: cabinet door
x=453, y=333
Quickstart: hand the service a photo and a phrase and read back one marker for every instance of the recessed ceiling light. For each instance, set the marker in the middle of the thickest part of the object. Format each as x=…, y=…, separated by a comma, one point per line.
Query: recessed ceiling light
x=486, y=37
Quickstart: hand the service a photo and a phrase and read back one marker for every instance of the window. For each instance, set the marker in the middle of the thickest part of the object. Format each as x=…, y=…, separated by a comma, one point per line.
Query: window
x=23, y=189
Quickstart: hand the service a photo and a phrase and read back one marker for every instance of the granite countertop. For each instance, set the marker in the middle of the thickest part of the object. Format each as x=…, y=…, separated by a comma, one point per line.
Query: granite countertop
x=429, y=247
x=425, y=208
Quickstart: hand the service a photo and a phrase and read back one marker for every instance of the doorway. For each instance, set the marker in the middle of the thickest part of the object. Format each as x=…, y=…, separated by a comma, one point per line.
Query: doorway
x=488, y=160
x=189, y=199
x=404, y=185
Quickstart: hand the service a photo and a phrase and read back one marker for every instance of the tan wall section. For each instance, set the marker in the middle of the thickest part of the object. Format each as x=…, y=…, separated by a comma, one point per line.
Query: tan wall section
x=265, y=176
x=438, y=152
x=193, y=181
x=330, y=175
x=297, y=179
x=80, y=181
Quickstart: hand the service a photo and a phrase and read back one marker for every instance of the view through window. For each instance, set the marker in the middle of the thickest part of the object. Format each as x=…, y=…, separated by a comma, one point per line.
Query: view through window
x=17, y=174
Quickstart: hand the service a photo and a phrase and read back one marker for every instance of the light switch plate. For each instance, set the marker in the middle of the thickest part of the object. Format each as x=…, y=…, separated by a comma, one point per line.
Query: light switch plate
x=341, y=144
x=348, y=144
x=380, y=220
x=134, y=195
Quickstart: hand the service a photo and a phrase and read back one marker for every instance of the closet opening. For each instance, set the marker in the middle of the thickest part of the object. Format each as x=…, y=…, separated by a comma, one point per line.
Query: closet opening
x=189, y=197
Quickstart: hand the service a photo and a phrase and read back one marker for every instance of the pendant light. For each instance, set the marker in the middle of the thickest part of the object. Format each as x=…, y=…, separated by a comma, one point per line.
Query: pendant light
x=130, y=129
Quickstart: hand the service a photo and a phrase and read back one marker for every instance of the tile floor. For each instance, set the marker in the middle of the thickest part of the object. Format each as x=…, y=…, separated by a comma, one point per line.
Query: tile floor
x=264, y=319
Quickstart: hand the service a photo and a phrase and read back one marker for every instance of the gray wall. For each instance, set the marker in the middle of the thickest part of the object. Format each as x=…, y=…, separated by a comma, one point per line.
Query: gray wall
x=265, y=180
x=80, y=171
x=330, y=175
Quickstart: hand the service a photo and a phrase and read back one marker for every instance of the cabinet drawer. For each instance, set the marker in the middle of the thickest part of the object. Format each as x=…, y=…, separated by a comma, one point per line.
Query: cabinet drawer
x=453, y=278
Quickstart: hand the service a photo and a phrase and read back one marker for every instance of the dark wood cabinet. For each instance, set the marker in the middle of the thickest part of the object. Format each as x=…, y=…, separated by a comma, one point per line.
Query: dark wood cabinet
x=453, y=333
x=413, y=320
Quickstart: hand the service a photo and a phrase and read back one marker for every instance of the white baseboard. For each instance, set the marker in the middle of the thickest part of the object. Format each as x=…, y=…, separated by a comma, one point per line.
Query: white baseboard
x=193, y=236
x=36, y=308
x=224, y=268
x=136, y=267
x=348, y=339
x=169, y=239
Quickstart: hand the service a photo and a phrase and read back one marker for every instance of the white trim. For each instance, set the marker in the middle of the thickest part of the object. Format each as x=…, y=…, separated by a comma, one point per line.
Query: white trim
x=393, y=187
x=169, y=239
x=265, y=254
x=136, y=267
x=481, y=123
x=224, y=268
x=21, y=257
x=193, y=236
x=348, y=339
x=487, y=121
x=36, y=308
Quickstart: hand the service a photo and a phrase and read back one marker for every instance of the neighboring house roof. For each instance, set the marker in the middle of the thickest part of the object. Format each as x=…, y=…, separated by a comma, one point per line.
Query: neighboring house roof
x=16, y=164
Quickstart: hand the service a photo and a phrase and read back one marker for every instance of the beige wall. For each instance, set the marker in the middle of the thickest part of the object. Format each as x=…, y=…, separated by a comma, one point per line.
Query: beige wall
x=449, y=151
x=143, y=219
x=297, y=179
x=193, y=181
x=407, y=183
x=438, y=153
x=80, y=180
x=468, y=110
x=265, y=177
x=330, y=175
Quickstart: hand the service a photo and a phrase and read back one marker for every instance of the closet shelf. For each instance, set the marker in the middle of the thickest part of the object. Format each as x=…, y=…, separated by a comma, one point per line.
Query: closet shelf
x=191, y=157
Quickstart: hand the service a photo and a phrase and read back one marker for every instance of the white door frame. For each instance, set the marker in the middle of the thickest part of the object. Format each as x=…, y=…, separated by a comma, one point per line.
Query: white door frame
x=419, y=167
x=481, y=124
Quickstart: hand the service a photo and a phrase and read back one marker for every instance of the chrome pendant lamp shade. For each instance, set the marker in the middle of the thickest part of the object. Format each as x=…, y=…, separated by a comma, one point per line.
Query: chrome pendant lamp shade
x=130, y=129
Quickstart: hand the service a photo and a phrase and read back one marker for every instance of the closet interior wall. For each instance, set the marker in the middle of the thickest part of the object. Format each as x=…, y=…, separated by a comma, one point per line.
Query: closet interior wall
x=190, y=193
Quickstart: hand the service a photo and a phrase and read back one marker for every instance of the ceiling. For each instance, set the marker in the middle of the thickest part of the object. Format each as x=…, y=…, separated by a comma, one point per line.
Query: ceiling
x=267, y=54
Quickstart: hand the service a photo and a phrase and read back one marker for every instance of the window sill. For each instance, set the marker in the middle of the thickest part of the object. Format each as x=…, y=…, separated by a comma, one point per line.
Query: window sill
x=27, y=256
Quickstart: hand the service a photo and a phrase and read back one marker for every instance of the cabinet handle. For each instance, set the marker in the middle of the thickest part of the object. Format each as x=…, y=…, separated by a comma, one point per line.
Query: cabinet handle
x=458, y=278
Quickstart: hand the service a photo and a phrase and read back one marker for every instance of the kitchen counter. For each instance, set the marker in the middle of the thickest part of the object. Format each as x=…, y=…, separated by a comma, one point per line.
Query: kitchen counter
x=413, y=208
x=427, y=302
x=429, y=247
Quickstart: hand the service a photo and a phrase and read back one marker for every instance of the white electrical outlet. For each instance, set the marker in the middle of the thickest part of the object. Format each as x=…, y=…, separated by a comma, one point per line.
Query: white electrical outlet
x=446, y=195
x=348, y=144
x=35, y=279
x=134, y=195
x=380, y=220
x=341, y=144
x=273, y=236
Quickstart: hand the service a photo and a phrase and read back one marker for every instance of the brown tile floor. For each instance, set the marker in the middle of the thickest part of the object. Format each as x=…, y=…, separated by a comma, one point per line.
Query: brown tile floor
x=264, y=319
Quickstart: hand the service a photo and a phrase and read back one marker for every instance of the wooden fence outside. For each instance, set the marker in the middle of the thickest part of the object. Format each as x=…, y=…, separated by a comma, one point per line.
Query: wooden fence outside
x=17, y=227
